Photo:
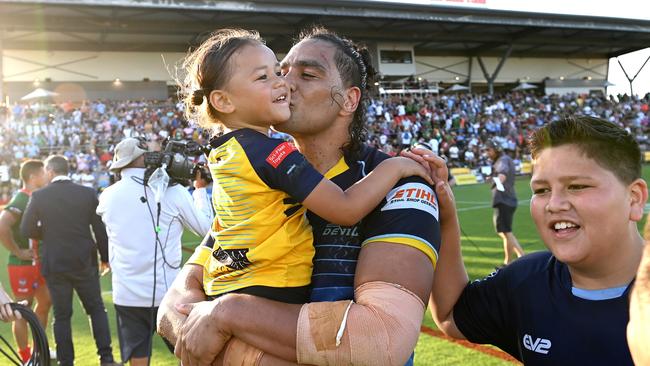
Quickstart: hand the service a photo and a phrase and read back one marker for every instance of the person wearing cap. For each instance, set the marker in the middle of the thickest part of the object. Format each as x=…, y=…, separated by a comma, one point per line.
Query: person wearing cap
x=61, y=216
x=140, y=256
x=504, y=199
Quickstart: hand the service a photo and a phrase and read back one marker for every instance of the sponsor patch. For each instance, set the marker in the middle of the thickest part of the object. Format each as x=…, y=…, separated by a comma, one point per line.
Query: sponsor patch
x=412, y=196
x=280, y=153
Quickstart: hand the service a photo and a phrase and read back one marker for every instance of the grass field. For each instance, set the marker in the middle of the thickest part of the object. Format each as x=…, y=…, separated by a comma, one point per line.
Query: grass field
x=481, y=251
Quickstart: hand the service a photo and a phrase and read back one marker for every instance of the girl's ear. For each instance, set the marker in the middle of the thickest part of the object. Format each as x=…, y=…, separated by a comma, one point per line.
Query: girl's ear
x=220, y=101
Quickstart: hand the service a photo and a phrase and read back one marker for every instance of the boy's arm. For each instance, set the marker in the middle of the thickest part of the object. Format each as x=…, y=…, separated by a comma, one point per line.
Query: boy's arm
x=638, y=329
x=450, y=277
x=328, y=201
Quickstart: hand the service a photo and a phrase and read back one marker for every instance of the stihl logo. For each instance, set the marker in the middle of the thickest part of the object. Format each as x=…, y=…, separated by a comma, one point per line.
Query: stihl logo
x=539, y=345
x=412, y=196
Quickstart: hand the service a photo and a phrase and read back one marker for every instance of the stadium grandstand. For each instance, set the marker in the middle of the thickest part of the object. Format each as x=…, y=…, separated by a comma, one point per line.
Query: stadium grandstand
x=453, y=74
x=67, y=45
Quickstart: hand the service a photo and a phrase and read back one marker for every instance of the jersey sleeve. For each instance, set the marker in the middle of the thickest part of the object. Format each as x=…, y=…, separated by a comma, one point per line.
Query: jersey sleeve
x=483, y=312
x=408, y=216
x=281, y=166
x=203, y=251
x=17, y=204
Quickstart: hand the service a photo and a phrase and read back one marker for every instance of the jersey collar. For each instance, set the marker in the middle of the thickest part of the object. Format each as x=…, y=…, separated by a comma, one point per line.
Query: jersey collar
x=340, y=167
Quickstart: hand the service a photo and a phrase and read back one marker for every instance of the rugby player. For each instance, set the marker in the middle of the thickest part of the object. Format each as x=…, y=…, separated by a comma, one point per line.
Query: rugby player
x=27, y=282
x=390, y=278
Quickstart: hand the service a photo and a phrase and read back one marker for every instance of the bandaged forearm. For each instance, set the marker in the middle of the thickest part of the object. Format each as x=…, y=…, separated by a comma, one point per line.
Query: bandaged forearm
x=380, y=328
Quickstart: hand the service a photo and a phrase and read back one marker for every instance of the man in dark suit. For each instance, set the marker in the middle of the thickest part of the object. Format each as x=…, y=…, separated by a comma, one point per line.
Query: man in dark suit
x=61, y=215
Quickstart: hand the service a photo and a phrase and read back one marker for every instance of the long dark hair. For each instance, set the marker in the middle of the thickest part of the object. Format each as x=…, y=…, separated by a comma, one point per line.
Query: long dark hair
x=354, y=65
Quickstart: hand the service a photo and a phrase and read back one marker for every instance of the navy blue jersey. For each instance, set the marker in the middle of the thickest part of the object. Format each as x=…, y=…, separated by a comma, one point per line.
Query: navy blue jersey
x=528, y=310
x=408, y=216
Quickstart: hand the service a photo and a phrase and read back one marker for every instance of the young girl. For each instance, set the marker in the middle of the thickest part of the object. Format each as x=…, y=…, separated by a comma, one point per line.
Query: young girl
x=261, y=242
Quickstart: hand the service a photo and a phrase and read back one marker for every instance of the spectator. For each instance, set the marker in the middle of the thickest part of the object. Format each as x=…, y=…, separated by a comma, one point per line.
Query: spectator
x=145, y=245
x=504, y=199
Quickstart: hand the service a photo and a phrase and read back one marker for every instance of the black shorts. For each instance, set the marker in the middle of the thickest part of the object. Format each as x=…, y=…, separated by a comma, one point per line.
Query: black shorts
x=503, y=216
x=290, y=295
x=135, y=325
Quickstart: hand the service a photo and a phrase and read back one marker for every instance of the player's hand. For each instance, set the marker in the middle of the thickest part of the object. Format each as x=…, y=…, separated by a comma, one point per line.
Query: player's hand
x=104, y=268
x=200, y=339
x=25, y=254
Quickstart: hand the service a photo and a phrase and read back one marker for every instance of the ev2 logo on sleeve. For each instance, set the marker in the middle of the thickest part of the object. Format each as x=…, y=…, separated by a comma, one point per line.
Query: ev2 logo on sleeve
x=539, y=345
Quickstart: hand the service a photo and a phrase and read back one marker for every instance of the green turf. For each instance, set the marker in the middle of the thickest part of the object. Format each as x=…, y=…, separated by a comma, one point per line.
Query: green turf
x=482, y=251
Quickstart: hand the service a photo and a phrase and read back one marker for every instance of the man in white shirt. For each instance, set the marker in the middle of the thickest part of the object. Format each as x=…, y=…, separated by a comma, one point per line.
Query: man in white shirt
x=138, y=257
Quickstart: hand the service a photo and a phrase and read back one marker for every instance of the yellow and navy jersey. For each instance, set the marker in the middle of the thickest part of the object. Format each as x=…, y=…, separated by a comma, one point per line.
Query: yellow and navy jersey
x=260, y=231
x=407, y=216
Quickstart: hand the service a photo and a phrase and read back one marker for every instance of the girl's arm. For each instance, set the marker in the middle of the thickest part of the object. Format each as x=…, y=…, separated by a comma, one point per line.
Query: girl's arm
x=347, y=208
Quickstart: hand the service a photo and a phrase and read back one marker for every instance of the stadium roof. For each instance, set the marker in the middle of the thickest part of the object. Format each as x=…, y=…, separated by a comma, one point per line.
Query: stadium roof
x=172, y=26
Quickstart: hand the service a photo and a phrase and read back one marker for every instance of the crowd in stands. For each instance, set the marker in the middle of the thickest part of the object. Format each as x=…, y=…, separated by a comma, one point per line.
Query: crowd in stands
x=455, y=125
x=458, y=125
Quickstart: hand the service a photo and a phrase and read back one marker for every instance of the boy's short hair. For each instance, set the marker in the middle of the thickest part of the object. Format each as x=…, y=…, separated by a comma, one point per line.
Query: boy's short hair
x=28, y=168
x=609, y=145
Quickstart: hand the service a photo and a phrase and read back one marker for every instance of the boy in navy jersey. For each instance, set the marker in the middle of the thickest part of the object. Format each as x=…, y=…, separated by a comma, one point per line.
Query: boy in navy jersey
x=569, y=306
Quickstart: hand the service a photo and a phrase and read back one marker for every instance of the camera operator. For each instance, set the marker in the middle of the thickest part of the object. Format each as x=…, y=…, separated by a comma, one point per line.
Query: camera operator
x=144, y=245
x=202, y=193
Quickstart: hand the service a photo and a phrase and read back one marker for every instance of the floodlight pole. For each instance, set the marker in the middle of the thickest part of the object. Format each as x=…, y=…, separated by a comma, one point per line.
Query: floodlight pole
x=630, y=80
x=490, y=78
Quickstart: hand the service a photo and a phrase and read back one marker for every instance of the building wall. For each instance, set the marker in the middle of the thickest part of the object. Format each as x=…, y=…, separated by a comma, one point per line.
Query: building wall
x=576, y=90
x=61, y=66
x=533, y=70
x=94, y=72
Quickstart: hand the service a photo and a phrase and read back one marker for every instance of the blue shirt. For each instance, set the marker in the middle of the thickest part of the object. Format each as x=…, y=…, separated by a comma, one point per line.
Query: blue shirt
x=528, y=310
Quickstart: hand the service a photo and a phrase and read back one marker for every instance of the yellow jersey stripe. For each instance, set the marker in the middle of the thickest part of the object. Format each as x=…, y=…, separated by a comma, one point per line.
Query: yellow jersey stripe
x=410, y=241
